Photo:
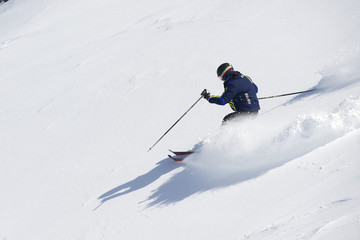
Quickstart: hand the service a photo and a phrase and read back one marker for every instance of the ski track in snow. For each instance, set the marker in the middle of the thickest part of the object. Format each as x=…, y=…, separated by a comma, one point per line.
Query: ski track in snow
x=231, y=154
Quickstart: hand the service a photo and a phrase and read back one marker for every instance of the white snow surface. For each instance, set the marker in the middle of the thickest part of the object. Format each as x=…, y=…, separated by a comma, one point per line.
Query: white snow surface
x=86, y=87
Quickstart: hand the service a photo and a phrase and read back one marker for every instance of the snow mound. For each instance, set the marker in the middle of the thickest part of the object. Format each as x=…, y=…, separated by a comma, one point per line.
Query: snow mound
x=236, y=151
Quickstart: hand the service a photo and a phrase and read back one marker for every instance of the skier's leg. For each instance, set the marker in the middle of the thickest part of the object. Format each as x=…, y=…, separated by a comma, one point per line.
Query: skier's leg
x=239, y=115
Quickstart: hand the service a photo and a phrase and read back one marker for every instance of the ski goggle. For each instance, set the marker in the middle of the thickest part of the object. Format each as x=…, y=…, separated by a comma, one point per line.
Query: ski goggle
x=225, y=71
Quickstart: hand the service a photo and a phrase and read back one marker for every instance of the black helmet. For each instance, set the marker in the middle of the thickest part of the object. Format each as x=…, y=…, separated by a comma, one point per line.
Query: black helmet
x=224, y=70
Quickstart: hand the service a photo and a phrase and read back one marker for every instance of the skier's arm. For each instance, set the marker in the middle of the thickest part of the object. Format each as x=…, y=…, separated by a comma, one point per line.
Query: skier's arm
x=217, y=100
x=225, y=98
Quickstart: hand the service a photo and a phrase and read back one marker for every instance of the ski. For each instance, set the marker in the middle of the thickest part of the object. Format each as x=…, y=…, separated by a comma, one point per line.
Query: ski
x=180, y=155
x=176, y=159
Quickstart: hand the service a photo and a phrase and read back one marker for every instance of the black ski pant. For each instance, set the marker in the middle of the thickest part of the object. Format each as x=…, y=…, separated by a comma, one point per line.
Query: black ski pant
x=240, y=115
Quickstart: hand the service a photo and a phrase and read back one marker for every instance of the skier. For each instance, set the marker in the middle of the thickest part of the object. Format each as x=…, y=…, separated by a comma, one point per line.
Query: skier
x=240, y=93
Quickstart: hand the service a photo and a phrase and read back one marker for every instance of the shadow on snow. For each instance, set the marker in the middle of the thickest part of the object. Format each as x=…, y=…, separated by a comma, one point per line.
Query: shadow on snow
x=178, y=187
x=182, y=184
x=163, y=167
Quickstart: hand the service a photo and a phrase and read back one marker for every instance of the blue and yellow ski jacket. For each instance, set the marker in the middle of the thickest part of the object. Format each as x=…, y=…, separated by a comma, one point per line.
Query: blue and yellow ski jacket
x=240, y=93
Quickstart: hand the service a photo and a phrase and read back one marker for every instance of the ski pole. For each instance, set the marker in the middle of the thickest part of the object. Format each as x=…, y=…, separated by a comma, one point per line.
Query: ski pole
x=177, y=121
x=286, y=94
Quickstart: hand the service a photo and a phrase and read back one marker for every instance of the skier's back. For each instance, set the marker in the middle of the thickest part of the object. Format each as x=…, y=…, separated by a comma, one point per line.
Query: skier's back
x=240, y=93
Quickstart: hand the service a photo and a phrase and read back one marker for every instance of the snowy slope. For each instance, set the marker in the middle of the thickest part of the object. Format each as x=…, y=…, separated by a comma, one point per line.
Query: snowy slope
x=86, y=87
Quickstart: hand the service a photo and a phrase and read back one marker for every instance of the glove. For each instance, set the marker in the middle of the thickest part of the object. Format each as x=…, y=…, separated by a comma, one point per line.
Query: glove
x=205, y=94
